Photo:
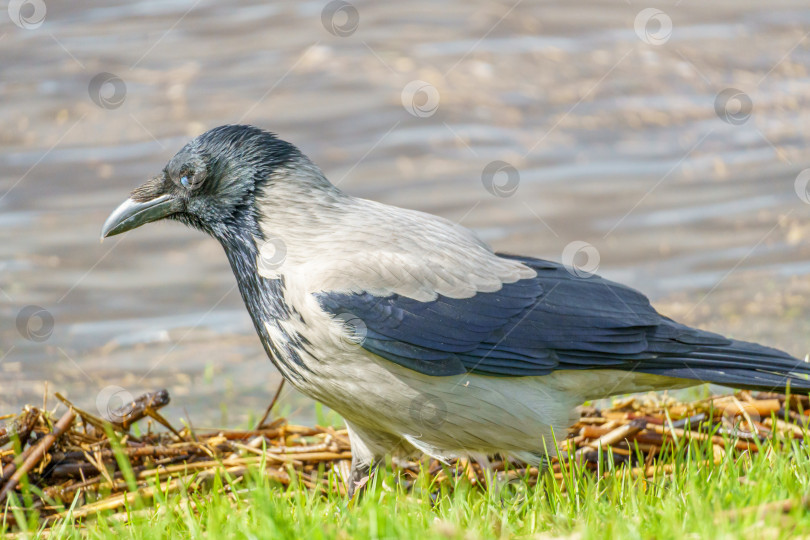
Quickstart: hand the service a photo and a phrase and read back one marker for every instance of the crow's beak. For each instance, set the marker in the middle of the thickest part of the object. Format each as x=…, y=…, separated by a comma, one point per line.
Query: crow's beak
x=132, y=214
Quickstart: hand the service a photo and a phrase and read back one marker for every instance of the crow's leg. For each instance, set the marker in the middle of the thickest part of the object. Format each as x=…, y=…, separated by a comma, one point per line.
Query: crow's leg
x=512, y=489
x=368, y=449
x=360, y=476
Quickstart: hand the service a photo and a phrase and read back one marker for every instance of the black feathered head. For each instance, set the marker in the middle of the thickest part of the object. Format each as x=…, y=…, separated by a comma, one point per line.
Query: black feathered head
x=211, y=183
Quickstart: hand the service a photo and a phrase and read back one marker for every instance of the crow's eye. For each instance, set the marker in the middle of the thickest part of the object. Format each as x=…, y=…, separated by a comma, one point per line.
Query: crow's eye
x=184, y=181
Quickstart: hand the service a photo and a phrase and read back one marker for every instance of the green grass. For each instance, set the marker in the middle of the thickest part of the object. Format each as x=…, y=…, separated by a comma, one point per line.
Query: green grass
x=689, y=503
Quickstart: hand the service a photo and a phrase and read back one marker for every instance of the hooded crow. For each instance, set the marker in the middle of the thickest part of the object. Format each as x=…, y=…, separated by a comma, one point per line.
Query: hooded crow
x=410, y=326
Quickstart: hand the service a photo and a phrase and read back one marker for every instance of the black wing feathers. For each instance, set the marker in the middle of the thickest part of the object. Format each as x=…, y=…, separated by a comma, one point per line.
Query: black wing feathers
x=557, y=321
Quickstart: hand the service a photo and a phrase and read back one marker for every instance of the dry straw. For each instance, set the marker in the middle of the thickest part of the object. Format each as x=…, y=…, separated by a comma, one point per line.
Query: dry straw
x=87, y=464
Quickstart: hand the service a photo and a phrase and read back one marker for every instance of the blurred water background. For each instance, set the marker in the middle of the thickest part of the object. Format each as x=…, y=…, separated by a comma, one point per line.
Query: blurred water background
x=670, y=137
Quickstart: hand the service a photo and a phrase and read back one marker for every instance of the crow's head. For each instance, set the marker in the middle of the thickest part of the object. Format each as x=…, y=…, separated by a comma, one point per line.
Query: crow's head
x=212, y=183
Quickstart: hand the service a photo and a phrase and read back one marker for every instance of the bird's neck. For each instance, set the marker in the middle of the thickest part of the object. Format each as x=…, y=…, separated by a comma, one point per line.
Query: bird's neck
x=246, y=246
x=263, y=298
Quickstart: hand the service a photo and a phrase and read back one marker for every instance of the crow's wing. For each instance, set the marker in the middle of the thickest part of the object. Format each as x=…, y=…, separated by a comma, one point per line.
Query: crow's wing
x=555, y=321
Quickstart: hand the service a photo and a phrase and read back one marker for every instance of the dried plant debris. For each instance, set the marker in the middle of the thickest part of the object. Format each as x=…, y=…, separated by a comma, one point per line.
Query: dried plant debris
x=82, y=464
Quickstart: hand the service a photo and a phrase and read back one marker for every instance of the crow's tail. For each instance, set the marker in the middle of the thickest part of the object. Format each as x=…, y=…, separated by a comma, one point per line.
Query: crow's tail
x=736, y=363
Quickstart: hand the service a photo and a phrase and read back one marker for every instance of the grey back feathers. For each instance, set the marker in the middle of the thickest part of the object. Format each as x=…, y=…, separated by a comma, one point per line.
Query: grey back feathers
x=335, y=242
